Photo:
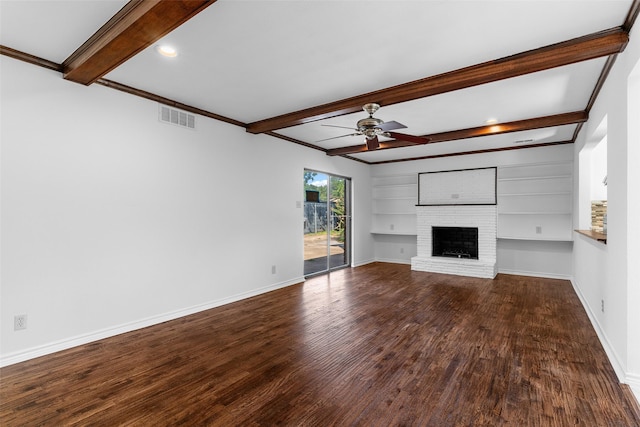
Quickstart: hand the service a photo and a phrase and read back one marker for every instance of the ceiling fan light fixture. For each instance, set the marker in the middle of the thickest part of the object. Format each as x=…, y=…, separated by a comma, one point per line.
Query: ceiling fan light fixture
x=370, y=133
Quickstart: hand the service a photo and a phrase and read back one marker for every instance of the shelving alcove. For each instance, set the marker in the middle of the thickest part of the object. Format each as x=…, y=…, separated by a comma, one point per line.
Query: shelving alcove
x=394, y=204
x=535, y=201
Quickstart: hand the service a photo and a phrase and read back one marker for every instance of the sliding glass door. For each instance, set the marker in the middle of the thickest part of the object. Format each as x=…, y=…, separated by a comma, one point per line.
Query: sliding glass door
x=327, y=222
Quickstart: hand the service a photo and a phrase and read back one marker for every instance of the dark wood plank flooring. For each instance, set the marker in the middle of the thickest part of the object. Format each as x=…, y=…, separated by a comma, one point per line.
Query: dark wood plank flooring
x=378, y=345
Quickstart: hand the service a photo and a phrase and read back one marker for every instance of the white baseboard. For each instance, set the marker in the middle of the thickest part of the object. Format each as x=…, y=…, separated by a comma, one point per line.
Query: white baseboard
x=361, y=263
x=394, y=261
x=43, y=350
x=618, y=367
x=534, y=274
x=633, y=380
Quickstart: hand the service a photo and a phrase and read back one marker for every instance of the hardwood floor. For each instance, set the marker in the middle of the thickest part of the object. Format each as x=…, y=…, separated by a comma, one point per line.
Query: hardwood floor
x=378, y=345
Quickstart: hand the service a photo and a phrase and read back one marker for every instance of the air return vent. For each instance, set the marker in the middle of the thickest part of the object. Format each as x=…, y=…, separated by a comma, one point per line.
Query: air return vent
x=176, y=117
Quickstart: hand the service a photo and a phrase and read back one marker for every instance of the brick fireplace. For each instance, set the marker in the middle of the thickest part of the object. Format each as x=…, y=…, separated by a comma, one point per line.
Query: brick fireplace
x=483, y=218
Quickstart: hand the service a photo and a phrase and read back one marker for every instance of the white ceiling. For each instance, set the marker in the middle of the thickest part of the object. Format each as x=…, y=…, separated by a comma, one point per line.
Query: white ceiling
x=251, y=60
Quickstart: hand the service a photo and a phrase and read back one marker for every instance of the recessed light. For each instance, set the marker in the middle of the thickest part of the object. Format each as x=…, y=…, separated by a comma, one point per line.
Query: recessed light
x=166, y=50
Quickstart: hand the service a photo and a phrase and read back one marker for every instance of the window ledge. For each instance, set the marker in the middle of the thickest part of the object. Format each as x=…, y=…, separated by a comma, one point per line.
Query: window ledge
x=595, y=235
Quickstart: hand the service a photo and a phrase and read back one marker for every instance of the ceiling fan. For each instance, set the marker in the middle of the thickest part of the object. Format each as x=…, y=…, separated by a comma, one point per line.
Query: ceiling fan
x=371, y=127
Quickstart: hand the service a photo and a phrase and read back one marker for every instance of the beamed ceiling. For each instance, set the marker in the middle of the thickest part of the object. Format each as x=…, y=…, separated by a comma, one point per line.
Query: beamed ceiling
x=301, y=71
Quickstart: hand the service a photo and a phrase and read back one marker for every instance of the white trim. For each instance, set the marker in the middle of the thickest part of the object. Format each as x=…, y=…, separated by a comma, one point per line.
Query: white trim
x=608, y=348
x=534, y=274
x=32, y=353
x=394, y=261
x=633, y=380
x=361, y=263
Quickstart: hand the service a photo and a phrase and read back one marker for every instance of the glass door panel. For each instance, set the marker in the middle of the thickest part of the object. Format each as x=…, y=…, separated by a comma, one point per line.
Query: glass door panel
x=316, y=232
x=339, y=222
x=327, y=222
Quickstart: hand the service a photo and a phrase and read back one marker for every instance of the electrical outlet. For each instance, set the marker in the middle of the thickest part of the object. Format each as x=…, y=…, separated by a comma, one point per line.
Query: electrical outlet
x=391, y=227
x=602, y=305
x=538, y=229
x=19, y=322
x=273, y=269
x=401, y=250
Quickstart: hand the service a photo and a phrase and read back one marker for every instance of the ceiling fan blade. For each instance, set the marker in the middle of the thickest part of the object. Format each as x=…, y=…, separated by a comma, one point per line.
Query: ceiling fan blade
x=341, y=136
x=391, y=125
x=372, y=144
x=341, y=127
x=409, y=138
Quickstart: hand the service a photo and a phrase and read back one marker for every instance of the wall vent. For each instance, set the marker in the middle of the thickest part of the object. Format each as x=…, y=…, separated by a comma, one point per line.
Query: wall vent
x=176, y=117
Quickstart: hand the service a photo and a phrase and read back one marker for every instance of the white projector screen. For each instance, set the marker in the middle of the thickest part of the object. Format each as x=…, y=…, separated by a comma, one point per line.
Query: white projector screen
x=458, y=187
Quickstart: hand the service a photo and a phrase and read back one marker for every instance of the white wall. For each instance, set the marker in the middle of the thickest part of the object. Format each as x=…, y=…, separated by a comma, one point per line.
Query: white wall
x=546, y=259
x=599, y=171
x=112, y=220
x=535, y=258
x=398, y=249
x=633, y=226
x=609, y=272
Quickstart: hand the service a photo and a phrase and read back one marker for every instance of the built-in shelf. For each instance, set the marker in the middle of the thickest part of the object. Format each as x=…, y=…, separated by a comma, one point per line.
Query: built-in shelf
x=527, y=178
x=394, y=199
x=395, y=233
x=595, y=235
x=535, y=201
x=396, y=186
x=548, y=239
x=394, y=213
x=534, y=213
x=553, y=193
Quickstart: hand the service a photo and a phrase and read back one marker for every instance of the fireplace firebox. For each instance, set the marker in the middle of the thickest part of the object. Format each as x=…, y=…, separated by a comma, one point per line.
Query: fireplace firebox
x=455, y=242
